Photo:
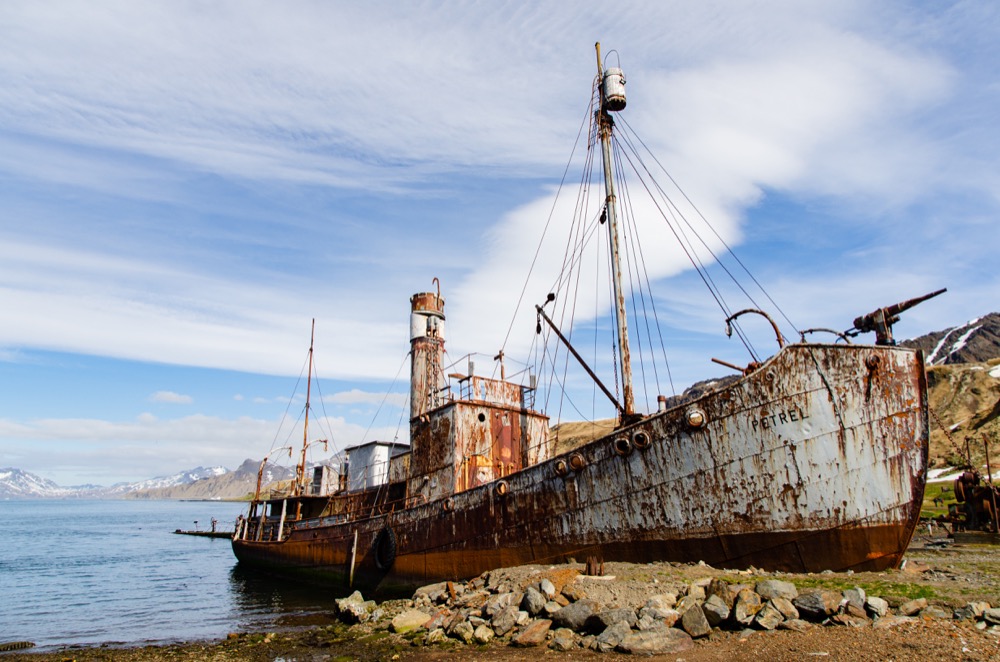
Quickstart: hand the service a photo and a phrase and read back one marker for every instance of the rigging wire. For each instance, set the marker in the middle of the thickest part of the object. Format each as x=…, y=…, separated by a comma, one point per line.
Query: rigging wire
x=645, y=288
x=628, y=155
x=385, y=397
x=714, y=231
x=631, y=233
x=545, y=230
x=687, y=245
x=288, y=406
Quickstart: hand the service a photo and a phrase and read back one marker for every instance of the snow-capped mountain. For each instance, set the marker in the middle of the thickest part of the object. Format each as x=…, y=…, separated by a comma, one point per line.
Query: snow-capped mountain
x=975, y=341
x=225, y=485
x=17, y=484
x=198, y=483
x=181, y=478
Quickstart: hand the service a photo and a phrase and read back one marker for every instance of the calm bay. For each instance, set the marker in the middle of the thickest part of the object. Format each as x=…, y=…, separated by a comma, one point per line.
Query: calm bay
x=96, y=572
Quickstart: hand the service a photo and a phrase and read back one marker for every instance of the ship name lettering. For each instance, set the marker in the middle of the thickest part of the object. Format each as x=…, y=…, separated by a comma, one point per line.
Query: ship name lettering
x=769, y=421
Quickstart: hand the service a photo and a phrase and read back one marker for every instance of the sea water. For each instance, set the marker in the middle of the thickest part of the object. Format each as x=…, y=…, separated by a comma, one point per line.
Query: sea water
x=96, y=572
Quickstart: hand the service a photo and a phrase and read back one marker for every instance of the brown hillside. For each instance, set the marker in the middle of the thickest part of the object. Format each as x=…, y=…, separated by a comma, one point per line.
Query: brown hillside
x=965, y=402
x=572, y=435
x=973, y=342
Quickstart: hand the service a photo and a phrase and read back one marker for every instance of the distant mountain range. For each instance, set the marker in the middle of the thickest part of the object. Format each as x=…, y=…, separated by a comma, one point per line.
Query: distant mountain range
x=964, y=393
x=198, y=483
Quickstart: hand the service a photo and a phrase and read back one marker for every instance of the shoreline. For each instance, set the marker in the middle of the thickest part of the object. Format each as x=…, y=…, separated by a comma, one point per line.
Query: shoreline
x=948, y=575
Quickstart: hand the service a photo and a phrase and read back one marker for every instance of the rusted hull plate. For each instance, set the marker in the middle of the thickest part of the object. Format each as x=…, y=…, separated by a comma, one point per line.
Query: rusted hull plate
x=816, y=461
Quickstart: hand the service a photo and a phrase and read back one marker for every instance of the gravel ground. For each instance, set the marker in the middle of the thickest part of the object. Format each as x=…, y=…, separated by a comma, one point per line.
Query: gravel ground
x=947, y=575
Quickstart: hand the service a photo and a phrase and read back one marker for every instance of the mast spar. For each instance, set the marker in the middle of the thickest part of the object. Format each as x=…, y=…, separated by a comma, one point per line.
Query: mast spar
x=605, y=126
x=301, y=472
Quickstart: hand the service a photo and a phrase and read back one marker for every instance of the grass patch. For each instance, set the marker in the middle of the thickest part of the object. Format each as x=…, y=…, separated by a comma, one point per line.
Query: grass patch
x=882, y=589
x=942, y=491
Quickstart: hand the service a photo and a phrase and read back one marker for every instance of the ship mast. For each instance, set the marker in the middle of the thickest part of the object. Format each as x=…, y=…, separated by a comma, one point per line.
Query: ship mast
x=300, y=472
x=605, y=125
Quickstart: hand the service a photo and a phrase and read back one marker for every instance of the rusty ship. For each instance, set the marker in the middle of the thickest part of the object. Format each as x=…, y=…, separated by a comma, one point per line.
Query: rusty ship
x=811, y=459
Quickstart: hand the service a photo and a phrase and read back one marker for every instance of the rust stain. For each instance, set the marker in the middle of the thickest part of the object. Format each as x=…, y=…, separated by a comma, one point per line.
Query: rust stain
x=814, y=461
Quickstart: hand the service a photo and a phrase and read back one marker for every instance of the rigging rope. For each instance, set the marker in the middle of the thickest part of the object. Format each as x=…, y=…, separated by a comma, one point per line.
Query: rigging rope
x=628, y=154
x=712, y=228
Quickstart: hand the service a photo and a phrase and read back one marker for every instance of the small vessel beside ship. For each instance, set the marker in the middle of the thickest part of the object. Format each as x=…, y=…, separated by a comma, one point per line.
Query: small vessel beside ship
x=812, y=459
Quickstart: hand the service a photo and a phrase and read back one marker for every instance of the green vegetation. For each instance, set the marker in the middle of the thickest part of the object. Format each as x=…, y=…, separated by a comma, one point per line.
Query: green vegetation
x=942, y=491
x=884, y=589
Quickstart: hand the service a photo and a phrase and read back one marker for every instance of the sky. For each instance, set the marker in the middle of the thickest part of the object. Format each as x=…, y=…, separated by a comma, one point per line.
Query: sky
x=185, y=186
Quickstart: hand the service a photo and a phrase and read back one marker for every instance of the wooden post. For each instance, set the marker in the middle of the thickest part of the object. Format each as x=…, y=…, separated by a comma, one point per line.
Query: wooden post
x=354, y=551
x=260, y=524
x=281, y=524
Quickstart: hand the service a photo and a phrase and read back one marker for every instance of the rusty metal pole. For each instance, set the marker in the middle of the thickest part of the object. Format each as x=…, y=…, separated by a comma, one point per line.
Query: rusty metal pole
x=989, y=477
x=605, y=125
x=579, y=358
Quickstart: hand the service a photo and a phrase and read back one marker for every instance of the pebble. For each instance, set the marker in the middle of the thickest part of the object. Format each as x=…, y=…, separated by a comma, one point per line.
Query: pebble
x=555, y=611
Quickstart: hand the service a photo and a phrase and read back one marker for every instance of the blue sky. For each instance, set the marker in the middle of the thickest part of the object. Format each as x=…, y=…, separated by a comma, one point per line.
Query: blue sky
x=184, y=186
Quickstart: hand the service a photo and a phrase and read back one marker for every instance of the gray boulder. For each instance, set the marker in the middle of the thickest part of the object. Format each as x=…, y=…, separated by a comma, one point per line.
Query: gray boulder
x=533, y=635
x=786, y=608
x=856, y=596
x=602, y=620
x=410, y=619
x=722, y=589
x=687, y=602
x=693, y=622
x=795, y=625
x=563, y=640
x=664, y=641
x=533, y=600
x=933, y=611
x=768, y=617
x=574, y=615
x=647, y=622
x=776, y=588
x=463, y=631
x=611, y=637
x=913, y=607
x=548, y=589
x=747, y=605
x=433, y=593
x=354, y=608
x=971, y=611
x=483, y=634
x=992, y=616
x=504, y=620
x=497, y=603
x=817, y=605
x=716, y=611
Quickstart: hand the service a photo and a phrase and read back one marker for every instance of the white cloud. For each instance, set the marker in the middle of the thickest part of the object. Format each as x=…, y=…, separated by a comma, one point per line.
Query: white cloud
x=191, y=187
x=171, y=397
x=357, y=396
x=105, y=452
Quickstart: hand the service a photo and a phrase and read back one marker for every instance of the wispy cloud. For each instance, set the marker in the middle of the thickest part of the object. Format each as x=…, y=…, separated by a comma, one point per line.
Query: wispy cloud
x=113, y=451
x=357, y=396
x=171, y=397
x=191, y=187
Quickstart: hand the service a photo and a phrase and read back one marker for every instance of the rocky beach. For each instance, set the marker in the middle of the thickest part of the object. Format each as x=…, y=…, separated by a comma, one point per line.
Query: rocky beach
x=944, y=603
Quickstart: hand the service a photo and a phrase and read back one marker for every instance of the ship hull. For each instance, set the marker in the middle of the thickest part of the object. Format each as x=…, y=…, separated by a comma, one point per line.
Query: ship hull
x=815, y=461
